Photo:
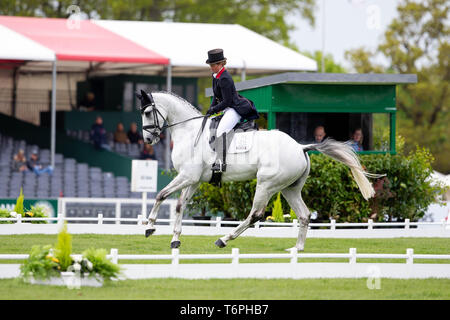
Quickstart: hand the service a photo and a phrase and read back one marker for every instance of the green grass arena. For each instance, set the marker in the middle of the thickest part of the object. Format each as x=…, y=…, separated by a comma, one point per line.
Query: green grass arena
x=232, y=289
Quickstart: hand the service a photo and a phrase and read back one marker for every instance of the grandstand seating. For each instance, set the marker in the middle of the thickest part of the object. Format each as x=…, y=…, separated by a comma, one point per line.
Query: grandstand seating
x=126, y=149
x=69, y=178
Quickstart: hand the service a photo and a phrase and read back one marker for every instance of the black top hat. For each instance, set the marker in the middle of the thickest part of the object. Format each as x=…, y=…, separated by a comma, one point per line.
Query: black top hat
x=215, y=55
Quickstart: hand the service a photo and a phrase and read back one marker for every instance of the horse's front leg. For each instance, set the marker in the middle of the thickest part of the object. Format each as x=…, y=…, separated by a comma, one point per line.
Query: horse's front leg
x=178, y=183
x=186, y=195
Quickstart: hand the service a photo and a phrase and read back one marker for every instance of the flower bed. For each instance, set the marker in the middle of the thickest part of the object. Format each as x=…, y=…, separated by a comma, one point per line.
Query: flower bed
x=58, y=266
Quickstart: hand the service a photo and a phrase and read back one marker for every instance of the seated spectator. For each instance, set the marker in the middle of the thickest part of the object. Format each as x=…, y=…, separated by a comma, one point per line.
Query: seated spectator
x=319, y=134
x=356, y=140
x=34, y=165
x=133, y=135
x=88, y=103
x=148, y=153
x=98, y=135
x=120, y=135
x=19, y=162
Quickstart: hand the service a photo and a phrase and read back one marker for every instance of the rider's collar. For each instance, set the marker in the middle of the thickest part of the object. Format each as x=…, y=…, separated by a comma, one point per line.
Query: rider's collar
x=218, y=74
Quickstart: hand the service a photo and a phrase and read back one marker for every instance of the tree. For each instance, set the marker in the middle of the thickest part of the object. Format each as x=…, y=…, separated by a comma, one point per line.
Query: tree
x=330, y=65
x=266, y=17
x=417, y=42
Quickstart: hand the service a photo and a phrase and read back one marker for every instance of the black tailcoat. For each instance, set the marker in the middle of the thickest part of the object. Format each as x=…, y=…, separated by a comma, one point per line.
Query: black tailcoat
x=225, y=95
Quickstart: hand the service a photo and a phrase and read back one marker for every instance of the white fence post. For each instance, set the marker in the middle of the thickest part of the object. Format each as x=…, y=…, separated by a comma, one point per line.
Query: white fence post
x=175, y=256
x=294, y=252
x=19, y=218
x=333, y=224
x=235, y=256
x=352, y=253
x=139, y=219
x=406, y=223
x=409, y=256
x=218, y=222
x=118, y=213
x=60, y=220
x=100, y=218
x=114, y=255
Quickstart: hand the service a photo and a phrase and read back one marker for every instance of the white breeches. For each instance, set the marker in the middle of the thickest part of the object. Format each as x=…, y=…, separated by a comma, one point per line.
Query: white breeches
x=228, y=121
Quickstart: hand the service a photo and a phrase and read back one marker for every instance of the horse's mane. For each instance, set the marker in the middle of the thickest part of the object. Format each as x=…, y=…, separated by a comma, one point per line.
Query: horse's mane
x=182, y=100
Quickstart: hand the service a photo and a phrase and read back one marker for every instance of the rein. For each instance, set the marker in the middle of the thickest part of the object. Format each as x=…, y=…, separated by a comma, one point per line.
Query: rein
x=156, y=125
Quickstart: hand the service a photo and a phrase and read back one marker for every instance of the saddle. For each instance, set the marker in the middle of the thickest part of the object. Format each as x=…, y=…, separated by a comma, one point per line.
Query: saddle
x=241, y=126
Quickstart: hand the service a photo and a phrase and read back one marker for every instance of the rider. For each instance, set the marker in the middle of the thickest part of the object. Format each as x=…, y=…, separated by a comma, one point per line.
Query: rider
x=226, y=99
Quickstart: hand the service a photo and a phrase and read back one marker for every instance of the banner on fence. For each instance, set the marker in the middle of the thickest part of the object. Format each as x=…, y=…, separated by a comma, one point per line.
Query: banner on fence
x=50, y=205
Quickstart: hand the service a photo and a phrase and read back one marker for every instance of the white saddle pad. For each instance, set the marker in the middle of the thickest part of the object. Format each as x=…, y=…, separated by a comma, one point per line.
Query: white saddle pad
x=242, y=142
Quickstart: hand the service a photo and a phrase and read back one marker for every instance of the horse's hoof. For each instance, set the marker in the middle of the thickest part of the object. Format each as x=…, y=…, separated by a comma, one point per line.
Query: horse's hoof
x=220, y=243
x=175, y=244
x=149, y=232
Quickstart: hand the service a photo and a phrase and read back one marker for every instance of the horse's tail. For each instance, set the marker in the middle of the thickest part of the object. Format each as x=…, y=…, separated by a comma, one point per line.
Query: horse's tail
x=345, y=154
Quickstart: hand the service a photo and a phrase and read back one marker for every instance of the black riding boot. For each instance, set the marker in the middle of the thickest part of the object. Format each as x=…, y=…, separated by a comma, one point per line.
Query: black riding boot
x=221, y=152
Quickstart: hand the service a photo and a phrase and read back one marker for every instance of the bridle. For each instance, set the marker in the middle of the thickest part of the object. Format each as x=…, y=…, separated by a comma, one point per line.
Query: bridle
x=155, y=129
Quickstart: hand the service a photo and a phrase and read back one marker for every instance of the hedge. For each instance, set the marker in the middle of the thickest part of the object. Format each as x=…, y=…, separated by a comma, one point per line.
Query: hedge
x=405, y=192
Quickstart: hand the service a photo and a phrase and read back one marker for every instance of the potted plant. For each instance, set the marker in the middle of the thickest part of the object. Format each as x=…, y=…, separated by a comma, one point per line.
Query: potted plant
x=58, y=266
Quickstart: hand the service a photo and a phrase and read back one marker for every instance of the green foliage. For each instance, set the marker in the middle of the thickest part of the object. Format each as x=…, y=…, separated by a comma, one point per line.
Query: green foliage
x=330, y=65
x=63, y=248
x=36, y=212
x=405, y=192
x=100, y=264
x=277, y=209
x=233, y=200
x=40, y=264
x=18, y=208
x=4, y=213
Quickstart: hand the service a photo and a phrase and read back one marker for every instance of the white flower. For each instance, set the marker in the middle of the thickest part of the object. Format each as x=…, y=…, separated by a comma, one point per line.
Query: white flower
x=77, y=258
x=89, y=264
x=77, y=267
x=13, y=214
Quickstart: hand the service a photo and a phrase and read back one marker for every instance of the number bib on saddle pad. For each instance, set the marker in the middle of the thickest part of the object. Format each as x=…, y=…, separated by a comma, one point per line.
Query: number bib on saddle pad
x=242, y=142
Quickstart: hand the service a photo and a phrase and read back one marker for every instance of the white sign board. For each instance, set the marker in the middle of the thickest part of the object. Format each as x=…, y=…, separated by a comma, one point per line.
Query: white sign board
x=144, y=175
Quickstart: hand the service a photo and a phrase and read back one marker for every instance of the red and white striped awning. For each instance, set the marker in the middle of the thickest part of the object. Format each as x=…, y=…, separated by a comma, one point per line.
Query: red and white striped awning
x=43, y=39
x=142, y=46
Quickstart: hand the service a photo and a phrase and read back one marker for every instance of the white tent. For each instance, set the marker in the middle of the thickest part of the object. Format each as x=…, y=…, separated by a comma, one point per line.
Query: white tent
x=187, y=44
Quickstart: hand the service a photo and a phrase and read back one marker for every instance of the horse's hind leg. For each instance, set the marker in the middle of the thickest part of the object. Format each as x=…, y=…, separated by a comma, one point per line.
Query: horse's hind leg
x=293, y=196
x=262, y=197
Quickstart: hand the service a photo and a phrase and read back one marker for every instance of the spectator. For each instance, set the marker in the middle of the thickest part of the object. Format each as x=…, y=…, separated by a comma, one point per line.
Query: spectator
x=120, y=135
x=319, y=134
x=34, y=165
x=88, y=103
x=19, y=161
x=133, y=135
x=148, y=153
x=98, y=135
x=357, y=140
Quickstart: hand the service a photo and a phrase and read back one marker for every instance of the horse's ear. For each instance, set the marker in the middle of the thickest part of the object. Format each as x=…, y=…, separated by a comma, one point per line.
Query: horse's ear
x=145, y=99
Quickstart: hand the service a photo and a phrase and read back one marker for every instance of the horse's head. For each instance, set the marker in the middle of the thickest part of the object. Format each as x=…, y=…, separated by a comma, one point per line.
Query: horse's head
x=152, y=118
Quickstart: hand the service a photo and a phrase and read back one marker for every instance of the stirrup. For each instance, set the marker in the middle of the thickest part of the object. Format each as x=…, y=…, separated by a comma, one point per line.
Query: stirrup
x=218, y=166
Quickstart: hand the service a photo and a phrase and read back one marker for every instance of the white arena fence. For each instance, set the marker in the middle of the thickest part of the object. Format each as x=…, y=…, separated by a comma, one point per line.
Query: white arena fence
x=104, y=225
x=266, y=270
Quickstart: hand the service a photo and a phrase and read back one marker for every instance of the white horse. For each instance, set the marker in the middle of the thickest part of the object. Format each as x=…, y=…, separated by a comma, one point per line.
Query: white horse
x=276, y=160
